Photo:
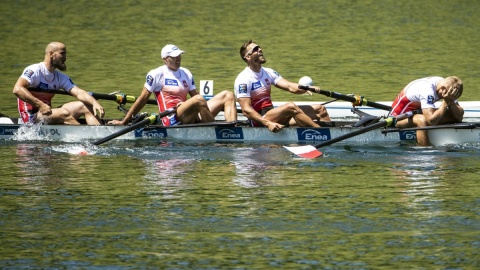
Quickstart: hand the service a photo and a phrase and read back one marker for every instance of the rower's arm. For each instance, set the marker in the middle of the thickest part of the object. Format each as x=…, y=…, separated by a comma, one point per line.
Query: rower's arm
x=292, y=87
x=21, y=91
x=193, y=92
x=456, y=111
x=250, y=113
x=445, y=113
x=84, y=97
x=137, y=106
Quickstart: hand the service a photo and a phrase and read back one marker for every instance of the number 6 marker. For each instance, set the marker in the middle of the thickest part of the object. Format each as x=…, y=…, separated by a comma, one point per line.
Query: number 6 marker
x=206, y=89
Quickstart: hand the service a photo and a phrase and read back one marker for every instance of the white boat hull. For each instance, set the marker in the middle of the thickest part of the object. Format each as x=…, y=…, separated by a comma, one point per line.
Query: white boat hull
x=438, y=137
x=342, y=110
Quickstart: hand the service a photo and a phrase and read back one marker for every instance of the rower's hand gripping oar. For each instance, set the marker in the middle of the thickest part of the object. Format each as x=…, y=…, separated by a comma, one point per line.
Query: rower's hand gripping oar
x=309, y=151
x=147, y=121
x=117, y=97
x=355, y=100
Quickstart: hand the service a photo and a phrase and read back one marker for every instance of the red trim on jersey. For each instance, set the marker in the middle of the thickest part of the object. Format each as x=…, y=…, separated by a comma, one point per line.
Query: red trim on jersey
x=402, y=104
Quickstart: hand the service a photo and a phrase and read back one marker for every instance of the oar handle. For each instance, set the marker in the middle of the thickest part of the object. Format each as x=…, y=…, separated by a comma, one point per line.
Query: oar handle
x=147, y=121
x=355, y=100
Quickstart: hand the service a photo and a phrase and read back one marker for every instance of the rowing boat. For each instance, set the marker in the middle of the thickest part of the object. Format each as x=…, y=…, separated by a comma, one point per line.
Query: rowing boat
x=467, y=132
x=363, y=123
x=345, y=120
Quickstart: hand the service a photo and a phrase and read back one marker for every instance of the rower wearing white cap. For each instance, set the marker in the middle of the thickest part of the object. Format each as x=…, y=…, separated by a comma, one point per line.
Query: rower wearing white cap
x=171, y=84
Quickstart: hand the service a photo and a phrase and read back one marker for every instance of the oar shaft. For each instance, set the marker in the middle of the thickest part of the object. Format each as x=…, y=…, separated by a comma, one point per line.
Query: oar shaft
x=119, y=98
x=353, y=134
x=147, y=121
x=144, y=122
x=356, y=100
x=382, y=123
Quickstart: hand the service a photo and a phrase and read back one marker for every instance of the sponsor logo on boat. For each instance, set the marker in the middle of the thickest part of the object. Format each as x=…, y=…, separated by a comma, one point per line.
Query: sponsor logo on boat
x=7, y=131
x=49, y=131
x=310, y=134
x=410, y=135
x=151, y=133
x=234, y=133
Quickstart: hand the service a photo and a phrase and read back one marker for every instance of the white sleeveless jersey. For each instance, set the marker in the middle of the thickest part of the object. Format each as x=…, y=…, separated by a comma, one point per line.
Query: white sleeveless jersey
x=256, y=86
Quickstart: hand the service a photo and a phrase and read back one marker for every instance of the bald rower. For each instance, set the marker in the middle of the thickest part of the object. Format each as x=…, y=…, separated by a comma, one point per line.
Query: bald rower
x=36, y=107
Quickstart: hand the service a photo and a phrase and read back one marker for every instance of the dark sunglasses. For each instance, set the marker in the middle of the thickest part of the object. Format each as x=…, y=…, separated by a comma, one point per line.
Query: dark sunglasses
x=252, y=50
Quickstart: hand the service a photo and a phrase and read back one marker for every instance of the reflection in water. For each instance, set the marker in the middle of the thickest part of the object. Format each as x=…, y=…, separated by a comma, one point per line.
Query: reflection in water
x=169, y=174
x=254, y=167
x=422, y=176
x=35, y=165
x=41, y=163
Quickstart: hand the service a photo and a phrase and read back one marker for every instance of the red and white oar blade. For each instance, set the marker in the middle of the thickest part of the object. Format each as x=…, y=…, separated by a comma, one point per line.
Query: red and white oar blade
x=306, y=151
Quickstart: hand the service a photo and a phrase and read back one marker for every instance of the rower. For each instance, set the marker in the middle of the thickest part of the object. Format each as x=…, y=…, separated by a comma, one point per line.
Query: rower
x=253, y=92
x=423, y=94
x=36, y=107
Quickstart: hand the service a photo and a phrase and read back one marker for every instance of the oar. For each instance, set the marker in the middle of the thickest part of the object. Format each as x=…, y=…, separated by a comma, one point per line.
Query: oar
x=309, y=151
x=463, y=125
x=355, y=100
x=117, y=97
x=147, y=121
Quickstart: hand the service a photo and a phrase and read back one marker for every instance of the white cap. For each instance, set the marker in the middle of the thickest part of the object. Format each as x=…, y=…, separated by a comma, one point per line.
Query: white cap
x=171, y=50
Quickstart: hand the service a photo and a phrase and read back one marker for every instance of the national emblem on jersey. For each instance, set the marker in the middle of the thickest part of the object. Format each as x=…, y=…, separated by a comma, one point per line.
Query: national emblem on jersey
x=256, y=85
x=242, y=88
x=28, y=73
x=149, y=80
x=185, y=84
x=430, y=99
x=171, y=82
x=267, y=81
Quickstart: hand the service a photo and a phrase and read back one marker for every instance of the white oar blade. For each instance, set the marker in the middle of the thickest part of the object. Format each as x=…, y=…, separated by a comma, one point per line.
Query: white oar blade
x=306, y=151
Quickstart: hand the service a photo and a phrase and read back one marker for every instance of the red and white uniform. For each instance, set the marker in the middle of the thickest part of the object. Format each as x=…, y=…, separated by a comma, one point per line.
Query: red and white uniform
x=418, y=94
x=170, y=88
x=39, y=77
x=256, y=86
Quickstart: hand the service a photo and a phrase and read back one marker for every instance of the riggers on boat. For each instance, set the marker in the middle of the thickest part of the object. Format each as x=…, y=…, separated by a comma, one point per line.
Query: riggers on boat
x=467, y=132
x=345, y=125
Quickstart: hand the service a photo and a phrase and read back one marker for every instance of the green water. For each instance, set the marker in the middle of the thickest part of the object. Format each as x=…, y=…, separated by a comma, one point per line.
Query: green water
x=174, y=206
x=217, y=206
